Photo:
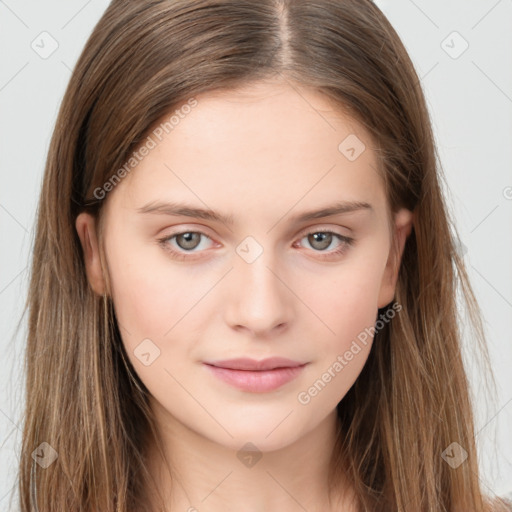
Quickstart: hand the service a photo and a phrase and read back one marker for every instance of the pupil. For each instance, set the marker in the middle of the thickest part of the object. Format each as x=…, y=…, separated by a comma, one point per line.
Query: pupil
x=323, y=238
x=189, y=242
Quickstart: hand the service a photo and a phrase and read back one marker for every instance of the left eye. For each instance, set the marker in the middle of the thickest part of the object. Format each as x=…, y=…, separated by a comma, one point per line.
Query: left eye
x=321, y=240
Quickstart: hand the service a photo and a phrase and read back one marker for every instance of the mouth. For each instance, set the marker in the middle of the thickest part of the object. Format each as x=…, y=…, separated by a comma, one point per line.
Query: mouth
x=244, y=363
x=256, y=376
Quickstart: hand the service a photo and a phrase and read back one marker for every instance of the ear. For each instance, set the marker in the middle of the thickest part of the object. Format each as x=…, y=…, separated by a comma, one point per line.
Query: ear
x=403, y=225
x=86, y=227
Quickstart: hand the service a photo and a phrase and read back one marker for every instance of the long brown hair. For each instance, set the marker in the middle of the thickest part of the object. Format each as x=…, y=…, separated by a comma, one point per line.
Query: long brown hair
x=143, y=60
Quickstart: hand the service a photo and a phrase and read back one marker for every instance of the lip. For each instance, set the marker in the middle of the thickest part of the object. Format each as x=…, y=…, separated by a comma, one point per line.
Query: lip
x=256, y=376
x=245, y=363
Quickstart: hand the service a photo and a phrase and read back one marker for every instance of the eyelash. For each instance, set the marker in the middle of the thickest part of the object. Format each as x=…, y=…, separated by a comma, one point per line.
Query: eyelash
x=346, y=242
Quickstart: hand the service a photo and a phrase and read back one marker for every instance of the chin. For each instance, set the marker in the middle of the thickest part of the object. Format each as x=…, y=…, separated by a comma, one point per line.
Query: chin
x=265, y=439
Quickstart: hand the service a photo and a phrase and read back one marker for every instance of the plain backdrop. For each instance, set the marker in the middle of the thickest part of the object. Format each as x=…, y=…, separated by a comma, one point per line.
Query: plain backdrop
x=462, y=51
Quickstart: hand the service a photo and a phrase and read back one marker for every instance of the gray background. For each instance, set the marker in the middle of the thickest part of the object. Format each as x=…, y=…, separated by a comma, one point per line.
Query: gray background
x=470, y=99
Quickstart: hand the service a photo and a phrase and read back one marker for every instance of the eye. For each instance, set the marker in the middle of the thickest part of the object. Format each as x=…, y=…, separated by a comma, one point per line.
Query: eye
x=323, y=239
x=186, y=242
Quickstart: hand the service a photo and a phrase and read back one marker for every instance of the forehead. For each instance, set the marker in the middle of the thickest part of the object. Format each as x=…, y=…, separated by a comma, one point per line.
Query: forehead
x=264, y=146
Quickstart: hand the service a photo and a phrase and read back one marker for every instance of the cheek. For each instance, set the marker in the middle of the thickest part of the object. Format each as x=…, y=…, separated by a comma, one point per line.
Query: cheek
x=346, y=306
x=346, y=298
x=148, y=293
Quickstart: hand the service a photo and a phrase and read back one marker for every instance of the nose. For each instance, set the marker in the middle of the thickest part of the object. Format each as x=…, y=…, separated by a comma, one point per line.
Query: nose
x=258, y=299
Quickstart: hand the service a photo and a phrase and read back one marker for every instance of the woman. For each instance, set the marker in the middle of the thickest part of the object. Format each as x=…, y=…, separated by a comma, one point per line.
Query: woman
x=243, y=292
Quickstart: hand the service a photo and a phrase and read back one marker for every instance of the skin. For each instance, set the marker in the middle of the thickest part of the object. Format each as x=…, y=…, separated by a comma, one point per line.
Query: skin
x=262, y=154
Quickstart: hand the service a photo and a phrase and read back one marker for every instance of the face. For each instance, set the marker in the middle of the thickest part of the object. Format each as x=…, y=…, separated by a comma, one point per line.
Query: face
x=257, y=280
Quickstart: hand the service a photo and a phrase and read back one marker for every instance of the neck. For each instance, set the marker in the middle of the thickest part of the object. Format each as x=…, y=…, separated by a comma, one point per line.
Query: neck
x=196, y=474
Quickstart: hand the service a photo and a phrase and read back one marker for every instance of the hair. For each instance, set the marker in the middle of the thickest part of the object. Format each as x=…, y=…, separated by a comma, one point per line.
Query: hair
x=144, y=59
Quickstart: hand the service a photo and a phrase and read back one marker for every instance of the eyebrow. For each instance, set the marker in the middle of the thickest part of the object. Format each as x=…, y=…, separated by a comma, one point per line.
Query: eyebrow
x=186, y=210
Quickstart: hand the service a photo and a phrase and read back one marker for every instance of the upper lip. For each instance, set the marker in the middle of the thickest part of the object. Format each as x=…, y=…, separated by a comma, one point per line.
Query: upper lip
x=244, y=363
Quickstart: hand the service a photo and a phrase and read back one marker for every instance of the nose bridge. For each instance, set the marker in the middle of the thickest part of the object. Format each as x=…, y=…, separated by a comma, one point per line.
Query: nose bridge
x=258, y=299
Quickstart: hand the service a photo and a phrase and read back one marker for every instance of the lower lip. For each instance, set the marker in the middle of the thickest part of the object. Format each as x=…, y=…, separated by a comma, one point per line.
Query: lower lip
x=256, y=381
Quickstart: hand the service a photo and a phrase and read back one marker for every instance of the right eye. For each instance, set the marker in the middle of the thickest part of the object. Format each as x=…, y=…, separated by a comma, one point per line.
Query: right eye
x=185, y=242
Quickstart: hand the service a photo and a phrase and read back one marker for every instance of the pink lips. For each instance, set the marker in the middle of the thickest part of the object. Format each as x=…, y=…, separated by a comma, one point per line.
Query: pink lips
x=256, y=376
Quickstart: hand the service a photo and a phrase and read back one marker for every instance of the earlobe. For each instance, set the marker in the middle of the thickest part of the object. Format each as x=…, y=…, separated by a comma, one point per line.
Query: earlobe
x=404, y=220
x=86, y=228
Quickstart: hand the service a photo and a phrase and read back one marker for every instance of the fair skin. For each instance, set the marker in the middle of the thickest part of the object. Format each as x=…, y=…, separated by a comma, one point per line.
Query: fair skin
x=262, y=155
